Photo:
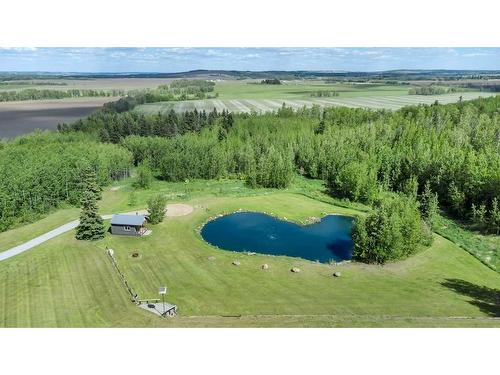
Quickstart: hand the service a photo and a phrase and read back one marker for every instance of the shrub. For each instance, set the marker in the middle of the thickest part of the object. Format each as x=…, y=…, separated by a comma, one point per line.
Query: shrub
x=156, y=209
x=144, y=176
x=392, y=231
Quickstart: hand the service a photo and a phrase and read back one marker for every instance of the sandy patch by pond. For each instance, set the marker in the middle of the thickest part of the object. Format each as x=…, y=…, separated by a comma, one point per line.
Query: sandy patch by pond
x=171, y=210
x=178, y=209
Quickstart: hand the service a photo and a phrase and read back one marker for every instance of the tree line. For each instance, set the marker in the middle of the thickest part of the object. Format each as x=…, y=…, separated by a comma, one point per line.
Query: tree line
x=324, y=94
x=33, y=83
x=434, y=90
x=270, y=81
x=37, y=94
x=116, y=121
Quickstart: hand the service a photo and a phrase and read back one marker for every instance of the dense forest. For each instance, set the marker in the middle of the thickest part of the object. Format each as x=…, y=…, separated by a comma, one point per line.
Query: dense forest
x=116, y=122
x=42, y=170
x=404, y=163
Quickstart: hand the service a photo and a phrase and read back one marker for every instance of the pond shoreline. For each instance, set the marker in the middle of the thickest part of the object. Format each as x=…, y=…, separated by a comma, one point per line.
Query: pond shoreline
x=325, y=240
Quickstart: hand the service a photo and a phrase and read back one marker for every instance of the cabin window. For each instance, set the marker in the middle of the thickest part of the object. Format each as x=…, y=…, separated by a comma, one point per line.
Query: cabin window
x=127, y=228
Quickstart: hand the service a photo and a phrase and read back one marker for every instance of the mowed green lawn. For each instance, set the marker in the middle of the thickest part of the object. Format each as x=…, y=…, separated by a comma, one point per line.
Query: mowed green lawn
x=69, y=283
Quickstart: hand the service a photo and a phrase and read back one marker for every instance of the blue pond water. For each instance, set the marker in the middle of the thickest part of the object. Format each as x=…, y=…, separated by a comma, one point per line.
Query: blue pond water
x=329, y=239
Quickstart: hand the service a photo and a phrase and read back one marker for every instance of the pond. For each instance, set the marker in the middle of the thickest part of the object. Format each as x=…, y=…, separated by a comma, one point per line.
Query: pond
x=326, y=240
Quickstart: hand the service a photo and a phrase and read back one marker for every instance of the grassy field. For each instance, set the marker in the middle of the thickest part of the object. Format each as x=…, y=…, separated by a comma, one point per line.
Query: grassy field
x=90, y=84
x=485, y=247
x=69, y=283
x=247, y=96
x=252, y=89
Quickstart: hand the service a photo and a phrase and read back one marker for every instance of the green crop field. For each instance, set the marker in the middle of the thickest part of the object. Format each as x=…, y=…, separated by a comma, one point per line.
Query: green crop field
x=252, y=89
x=247, y=96
x=70, y=283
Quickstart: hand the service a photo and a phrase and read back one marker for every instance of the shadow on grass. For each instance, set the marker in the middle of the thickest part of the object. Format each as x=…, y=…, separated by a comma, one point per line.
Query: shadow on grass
x=486, y=299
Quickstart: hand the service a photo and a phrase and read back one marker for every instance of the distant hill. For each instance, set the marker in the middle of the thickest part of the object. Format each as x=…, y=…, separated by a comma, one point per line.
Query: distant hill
x=402, y=74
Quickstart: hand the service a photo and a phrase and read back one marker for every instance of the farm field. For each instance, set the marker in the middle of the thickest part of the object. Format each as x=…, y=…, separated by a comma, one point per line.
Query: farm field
x=18, y=118
x=301, y=89
x=88, y=83
x=239, y=96
x=70, y=283
x=392, y=102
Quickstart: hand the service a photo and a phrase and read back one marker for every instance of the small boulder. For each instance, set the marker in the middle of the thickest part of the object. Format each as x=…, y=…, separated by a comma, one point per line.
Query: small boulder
x=337, y=274
x=265, y=266
x=211, y=258
x=295, y=269
x=236, y=262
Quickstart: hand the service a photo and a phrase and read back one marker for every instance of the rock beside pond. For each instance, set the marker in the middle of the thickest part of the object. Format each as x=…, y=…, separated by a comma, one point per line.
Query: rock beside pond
x=337, y=274
x=312, y=220
x=265, y=267
x=211, y=258
x=295, y=269
x=236, y=262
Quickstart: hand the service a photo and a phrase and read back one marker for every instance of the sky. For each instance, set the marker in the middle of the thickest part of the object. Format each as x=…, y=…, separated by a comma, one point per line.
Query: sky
x=169, y=60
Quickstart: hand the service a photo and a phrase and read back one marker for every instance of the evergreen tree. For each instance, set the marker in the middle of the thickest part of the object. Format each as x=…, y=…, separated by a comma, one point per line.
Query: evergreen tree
x=89, y=182
x=321, y=128
x=156, y=209
x=222, y=134
x=91, y=226
x=227, y=120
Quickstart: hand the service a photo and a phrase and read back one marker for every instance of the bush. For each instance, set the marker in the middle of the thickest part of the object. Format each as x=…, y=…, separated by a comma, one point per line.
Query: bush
x=392, y=231
x=156, y=209
x=144, y=176
x=354, y=181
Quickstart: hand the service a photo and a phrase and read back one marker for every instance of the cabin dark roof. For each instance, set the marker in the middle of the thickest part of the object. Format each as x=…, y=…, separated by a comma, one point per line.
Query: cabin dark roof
x=122, y=219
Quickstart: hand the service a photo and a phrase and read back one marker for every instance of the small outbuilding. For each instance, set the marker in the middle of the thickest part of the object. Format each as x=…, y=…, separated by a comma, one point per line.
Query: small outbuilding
x=128, y=225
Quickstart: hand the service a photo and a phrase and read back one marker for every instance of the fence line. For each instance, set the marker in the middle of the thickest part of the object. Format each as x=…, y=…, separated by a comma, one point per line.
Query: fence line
x=133, y=295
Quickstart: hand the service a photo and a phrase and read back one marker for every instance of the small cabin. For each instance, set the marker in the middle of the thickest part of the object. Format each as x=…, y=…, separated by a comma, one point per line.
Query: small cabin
x=128, y=225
